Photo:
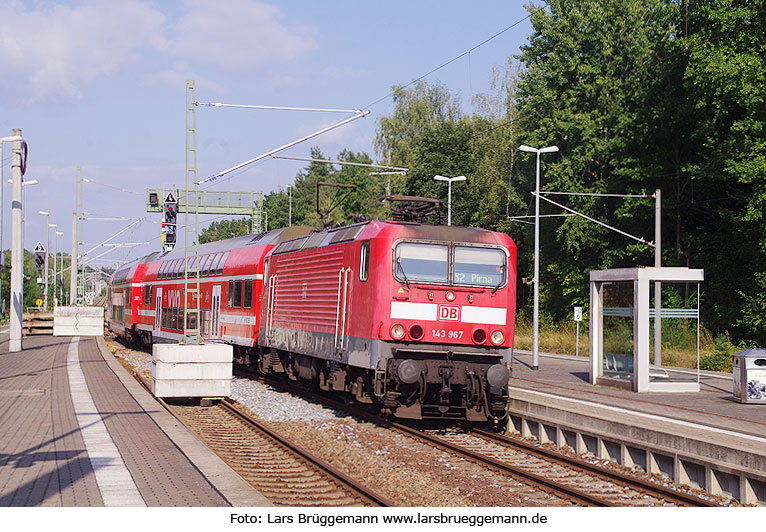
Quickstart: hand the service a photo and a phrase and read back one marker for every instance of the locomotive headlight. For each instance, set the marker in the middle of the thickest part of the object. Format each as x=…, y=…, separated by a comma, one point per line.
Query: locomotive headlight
x=497, y=337
x=450, y=296
x=397, y=332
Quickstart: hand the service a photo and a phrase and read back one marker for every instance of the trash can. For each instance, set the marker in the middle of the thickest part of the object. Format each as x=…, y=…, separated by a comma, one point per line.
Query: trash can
x=749, y=367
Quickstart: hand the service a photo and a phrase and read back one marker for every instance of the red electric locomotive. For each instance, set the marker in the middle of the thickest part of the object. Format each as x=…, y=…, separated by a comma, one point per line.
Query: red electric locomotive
x=417, y=318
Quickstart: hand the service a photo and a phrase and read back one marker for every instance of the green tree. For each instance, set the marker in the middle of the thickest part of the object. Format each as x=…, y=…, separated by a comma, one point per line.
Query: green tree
x=725, y=79
x=223, y=229
x=415, y=109
x=32, y=290
x=583, y=92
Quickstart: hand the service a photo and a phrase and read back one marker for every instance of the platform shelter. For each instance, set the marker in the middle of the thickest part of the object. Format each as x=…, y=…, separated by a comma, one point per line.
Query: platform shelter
x=620, y=333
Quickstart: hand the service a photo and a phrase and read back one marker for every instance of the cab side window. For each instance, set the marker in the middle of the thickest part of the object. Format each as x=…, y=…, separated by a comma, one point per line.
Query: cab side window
x=364, y=261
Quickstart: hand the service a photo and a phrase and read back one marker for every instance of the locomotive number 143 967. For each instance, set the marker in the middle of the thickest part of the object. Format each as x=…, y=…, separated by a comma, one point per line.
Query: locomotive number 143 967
x=443, y=333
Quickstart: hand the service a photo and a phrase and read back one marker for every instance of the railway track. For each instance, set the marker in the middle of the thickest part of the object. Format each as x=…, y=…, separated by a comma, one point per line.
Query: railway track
x=608, y=487
x=282, y=471
x=547, y=476
x=564, y=477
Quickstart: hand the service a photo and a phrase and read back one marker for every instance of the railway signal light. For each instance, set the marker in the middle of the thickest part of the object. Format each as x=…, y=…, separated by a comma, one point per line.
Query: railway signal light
x=169, y=221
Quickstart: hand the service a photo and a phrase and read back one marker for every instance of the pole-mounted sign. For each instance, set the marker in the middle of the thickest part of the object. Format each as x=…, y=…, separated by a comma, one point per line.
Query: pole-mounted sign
x=578, y=319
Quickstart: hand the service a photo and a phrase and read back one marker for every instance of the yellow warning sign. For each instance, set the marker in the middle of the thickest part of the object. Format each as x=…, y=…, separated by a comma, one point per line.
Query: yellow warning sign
x=39, y=302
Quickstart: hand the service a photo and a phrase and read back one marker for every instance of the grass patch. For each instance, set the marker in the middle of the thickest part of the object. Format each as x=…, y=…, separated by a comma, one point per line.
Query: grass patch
x=679, y=342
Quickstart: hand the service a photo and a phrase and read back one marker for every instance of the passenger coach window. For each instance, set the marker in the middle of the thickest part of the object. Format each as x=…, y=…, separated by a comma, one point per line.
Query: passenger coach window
x=231, y=294
x=421, y=262
x=364, y=261
x=479, y=266
x=205, y=264
x=248, y=294
x=148, y=295
x=237, y=294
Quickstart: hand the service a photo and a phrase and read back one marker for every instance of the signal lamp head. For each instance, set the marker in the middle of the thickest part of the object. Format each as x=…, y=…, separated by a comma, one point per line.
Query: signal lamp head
x=479, y=336
x=450, y=296
x=497, y=337
x=397, y=332
x=416, y=332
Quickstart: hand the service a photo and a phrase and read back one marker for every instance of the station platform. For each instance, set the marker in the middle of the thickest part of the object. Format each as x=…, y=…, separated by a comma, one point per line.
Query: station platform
x=704, y=439
x=79, y=431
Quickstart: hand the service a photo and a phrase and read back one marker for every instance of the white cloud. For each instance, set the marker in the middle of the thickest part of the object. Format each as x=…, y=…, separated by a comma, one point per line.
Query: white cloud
x=56, y=49
x=238, y=34
x=53, y=51
x=176, y=76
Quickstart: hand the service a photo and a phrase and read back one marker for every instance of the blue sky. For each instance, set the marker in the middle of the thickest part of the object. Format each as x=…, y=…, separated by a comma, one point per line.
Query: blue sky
x=102, y=85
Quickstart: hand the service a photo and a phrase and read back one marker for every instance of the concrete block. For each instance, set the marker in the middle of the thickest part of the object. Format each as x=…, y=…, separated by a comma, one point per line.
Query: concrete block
x=191, y=370
x=78, y=321
x=191, y=388
x=184, y=370
x=192, y=353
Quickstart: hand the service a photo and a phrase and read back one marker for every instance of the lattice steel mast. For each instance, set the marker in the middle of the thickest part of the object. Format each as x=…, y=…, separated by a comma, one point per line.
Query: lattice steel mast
x=191, y=231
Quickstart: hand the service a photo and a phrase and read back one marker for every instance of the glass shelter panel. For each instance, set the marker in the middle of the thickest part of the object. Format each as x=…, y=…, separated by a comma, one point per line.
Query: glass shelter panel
x=679, y=320
x=619, y=330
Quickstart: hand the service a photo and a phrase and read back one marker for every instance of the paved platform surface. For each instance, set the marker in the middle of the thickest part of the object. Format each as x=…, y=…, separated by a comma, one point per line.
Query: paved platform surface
x=77, y=430
x=713, y=406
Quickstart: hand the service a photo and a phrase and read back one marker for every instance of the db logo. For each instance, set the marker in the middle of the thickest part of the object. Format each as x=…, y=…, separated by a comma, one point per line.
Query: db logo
x=449, y=313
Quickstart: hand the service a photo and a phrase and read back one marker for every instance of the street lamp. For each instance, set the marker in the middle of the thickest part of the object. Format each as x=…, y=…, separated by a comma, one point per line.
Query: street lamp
x=449, y=181
x=61, y=270
x=536, y=279
x=54, y=262
x=290, y=206
x=47, y=247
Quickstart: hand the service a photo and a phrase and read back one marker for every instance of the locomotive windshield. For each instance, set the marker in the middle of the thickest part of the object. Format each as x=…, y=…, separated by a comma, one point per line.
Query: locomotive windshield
x=421, y=262
x=479, y=266
x=432, y=263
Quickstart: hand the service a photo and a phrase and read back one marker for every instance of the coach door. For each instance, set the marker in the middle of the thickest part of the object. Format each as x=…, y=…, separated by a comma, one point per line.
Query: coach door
x=215, y=311
x=158, y=309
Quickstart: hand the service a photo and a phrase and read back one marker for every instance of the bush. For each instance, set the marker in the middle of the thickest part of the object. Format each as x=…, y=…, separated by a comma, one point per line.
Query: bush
x=720, y=360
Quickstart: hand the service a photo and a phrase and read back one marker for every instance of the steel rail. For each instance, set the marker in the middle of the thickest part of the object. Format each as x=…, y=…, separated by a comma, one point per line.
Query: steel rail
x=564, y=492
x=650, y=488
x=231, y=406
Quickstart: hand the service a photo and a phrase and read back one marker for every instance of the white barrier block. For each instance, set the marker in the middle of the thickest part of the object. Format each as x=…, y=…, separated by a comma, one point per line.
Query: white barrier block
x=192, y=370
x=78, y=321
